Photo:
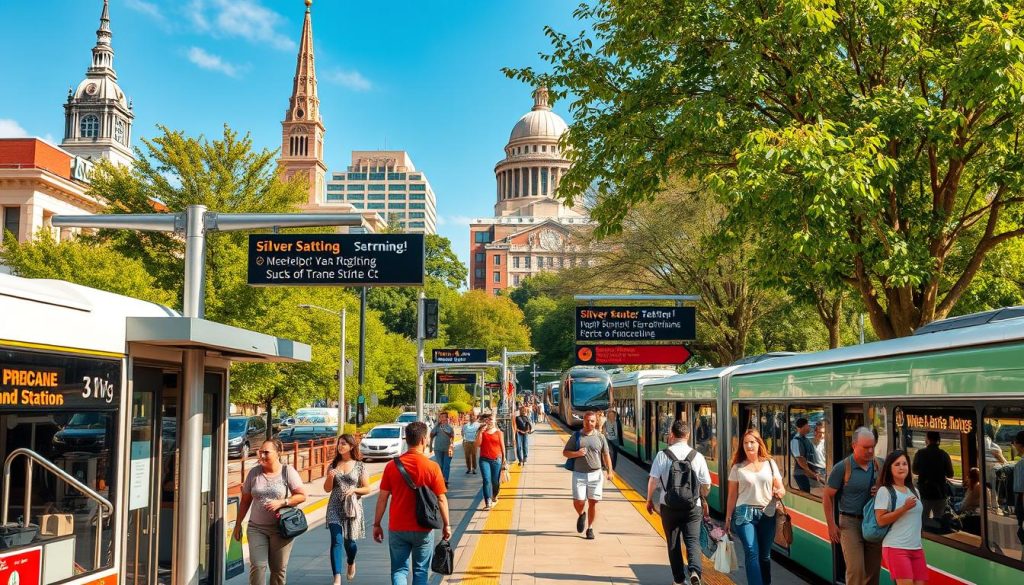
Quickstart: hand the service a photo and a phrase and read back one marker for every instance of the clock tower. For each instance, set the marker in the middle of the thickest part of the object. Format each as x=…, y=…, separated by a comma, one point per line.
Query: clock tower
x=97, y=116
x=302, y=130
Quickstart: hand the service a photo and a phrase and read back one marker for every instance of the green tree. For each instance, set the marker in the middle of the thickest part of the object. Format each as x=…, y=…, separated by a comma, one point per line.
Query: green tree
x=552, y=324
x=479, y=320
x=867, y=141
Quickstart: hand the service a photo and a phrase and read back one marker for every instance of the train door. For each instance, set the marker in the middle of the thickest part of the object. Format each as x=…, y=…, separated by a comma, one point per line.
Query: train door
x=848, y=418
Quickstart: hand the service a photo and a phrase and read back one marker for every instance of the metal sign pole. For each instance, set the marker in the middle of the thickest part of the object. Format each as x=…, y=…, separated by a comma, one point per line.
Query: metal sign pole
x=420, y=332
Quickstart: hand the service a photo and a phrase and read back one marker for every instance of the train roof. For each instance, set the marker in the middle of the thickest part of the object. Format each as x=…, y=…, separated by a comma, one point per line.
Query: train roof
x=584, y=370
x=953, y=336
x=632, y=377
x=695, y=375
x=62, y=314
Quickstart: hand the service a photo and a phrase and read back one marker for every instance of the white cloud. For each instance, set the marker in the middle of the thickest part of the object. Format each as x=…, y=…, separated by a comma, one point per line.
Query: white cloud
x=11, y=129
x=351, y=79
x=247, y=19
x=147, y=8
x=212, y=62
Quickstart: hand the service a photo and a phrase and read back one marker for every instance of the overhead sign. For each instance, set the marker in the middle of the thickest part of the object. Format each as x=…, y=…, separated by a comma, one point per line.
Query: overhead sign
x=336, y=259
x=636, y=324
x=40, y=381
x=459, y=356
x=446, y=378
x=631, y=355
x=492, y=385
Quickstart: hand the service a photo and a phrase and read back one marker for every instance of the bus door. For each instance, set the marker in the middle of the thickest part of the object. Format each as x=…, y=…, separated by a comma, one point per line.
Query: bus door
x=848, y=418
x=154, y=476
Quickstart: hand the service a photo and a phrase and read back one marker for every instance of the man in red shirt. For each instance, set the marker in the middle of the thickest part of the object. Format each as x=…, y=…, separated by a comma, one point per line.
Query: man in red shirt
x=407, y=537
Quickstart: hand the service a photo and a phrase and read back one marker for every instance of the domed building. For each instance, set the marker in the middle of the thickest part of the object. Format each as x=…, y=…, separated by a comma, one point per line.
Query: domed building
x=531, y=230
x=98, y=116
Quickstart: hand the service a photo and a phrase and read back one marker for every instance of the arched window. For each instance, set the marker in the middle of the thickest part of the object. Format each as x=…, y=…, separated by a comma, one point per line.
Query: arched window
x=90, y=126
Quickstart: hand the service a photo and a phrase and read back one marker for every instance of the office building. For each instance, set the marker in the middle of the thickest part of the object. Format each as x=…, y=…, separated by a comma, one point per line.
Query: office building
x=387, y=182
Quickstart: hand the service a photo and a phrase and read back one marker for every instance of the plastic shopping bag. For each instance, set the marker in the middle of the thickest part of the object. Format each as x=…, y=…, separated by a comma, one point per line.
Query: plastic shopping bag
x=725, y=557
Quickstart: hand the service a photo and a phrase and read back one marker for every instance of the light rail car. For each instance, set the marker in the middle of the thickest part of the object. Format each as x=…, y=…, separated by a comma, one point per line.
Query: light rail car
x=582, y=389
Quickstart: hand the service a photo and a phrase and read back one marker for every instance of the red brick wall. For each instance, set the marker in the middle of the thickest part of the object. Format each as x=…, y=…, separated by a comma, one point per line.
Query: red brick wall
x=32, y=152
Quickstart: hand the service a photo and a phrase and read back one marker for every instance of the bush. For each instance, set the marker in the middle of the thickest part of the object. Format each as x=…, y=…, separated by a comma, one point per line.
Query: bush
x=383, y=414
x=458, y=406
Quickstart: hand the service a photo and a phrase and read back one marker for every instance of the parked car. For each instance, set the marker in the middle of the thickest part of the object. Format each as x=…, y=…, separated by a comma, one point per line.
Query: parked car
x=304, y=433
x=282, y=422
x=245, y=433
x=86, y=431
x=384, y=442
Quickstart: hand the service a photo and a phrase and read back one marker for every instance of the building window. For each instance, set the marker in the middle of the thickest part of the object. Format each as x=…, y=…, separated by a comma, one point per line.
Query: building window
x=527, y=259
x=12, y=221
x=376, y=197
x=544, y=148
x=417, y=206
x=396, y=177
x=357, y=205
x=396, y=187
x=376, y=176
x=543, y=181
x=357, y=187
x=515, y=279
x=478, y=273
x=376, y=187
x=561, y=261
x=333, y=187
x=415, y=177
x=357, y=176
x=479, y=257
x=482, y=237
x=356, y=196
x=396, y=196
x=497, y=260
x=417, y=215
x=418, y=187
x=375, y=206
x=90, y=126
x=417, y=224
x=533, y=180
x=496, y=276
x=417, y=197
x=334, y=197
x=119, y=132
x=515, y=262
x=393, y=205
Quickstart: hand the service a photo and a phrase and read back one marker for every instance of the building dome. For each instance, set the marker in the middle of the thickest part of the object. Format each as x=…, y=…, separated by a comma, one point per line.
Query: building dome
x=540, y=122
x=99, y=88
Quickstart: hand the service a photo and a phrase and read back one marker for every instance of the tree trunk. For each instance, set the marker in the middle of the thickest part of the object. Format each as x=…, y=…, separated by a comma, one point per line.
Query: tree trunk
x=270, y=416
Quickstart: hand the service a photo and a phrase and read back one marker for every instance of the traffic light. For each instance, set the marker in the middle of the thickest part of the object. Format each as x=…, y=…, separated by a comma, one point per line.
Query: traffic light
x=430, y=319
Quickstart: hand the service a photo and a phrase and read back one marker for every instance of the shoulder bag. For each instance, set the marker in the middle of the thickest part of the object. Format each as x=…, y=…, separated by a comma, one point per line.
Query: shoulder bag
x=570, y=463
x=291, y=521
x=443, y=561
x=428, y=508
x=784, y=522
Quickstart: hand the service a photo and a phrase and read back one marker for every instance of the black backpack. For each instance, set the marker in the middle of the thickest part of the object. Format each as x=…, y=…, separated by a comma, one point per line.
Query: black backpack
x=682, y=489
x=428, y=509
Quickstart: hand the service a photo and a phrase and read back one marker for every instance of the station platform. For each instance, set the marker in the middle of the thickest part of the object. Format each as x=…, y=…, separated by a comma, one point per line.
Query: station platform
x=530, y=537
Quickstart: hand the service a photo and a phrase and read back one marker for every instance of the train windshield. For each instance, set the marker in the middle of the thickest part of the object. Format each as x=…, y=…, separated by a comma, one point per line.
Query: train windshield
x=590, y=391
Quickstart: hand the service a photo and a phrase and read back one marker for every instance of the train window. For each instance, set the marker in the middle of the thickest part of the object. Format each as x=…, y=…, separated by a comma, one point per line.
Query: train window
x=773, y=430
x=805, y=478
x=705, y=433
x=1003, y=481
x=666, y=415
x=940, y=442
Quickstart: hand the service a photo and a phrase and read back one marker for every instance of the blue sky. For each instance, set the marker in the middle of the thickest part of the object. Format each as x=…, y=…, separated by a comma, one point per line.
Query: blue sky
x=422, y=76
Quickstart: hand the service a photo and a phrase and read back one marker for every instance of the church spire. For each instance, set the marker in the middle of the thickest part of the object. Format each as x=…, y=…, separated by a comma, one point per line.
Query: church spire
x=103, y=52
x=302, y=130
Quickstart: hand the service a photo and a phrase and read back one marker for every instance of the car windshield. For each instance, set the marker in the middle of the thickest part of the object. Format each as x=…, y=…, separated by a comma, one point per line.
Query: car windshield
x=589, y=391
x=236, y=425
x=409, y=417
x=88, y=420
x=384, y=433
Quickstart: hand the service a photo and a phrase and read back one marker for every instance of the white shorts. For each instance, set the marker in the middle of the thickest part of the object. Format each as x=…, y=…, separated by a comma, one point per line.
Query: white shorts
x=587, y=486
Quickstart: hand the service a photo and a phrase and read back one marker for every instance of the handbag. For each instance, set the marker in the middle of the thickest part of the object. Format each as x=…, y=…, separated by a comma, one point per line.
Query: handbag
x=443, y=561
x=291, y=521
x=708, y=545
x=783, y=526
x=725, y=557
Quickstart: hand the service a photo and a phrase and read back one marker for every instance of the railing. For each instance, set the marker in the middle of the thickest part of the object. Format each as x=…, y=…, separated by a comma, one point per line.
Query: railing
x=310, y=458
x=31, y=457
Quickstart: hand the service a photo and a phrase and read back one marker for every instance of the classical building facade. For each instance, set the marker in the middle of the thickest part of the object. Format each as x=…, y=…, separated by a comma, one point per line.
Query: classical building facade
x=532, y=231
x=386, y=182
x=98, y=116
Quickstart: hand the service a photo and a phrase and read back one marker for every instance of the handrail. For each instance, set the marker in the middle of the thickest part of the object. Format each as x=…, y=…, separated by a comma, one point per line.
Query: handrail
x=33, y=457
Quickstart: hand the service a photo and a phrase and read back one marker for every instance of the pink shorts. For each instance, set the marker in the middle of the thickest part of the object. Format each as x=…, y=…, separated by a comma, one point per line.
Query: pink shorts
x=905, y=563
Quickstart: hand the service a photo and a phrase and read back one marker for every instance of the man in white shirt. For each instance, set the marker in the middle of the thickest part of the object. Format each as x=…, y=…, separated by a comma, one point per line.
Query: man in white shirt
x=681, y=520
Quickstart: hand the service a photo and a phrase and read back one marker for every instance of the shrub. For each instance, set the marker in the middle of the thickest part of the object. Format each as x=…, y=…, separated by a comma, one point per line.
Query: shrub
x=383, y=414
x=458, y=406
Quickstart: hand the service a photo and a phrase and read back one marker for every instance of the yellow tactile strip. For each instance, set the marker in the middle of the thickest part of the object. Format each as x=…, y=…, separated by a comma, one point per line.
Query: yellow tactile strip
x=489, y=554
x=639, y=502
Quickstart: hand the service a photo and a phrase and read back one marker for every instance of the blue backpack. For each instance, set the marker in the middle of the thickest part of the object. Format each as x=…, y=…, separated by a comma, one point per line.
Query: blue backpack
x=869, y=526
x=570, y=463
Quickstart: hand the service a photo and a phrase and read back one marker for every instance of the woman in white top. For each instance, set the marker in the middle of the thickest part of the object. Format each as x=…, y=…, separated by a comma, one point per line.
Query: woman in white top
x=901, y=547
x=754, y=481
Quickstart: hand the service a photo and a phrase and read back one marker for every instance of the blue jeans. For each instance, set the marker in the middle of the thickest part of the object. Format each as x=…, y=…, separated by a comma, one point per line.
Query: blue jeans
x=756, y=532
x=522, y=447
x=338, y=544
x=405, y=543
x=445, y=462
x=490, y=471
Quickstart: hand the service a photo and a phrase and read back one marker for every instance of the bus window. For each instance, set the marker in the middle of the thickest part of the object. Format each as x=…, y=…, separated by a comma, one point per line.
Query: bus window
x=773, y=431
x=705, y=434
x=666, y=415
x=1002, y=461
x=814, y=442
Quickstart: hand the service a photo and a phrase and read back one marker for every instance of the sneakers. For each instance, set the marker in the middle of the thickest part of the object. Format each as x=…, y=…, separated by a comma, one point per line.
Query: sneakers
x=694, y=579
x=590, y=534
x=474, y=472
x=487, y=504
x=581, y=523
x=468, y=470
x=494, y=501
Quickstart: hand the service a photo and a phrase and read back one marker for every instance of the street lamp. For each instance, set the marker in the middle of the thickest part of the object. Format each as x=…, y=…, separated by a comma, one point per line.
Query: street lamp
x=341, y=363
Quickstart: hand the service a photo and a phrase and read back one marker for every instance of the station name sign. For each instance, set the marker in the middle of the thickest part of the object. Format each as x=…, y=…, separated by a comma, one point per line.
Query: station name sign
x=628, y=355
x=34, y=381
x=336, y=259
x=636, y=323
x=459, y=356
x=446, y=378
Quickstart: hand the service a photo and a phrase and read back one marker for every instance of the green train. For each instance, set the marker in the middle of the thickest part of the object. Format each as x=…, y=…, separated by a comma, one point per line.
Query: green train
x=962, y=378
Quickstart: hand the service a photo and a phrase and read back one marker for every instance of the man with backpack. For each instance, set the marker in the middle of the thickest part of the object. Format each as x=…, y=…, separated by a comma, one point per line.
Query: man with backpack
x=416, y=485
x=685, y=480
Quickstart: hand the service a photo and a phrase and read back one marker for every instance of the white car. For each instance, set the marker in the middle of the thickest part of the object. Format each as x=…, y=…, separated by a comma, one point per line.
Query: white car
x=410, y=417
x=384, y=442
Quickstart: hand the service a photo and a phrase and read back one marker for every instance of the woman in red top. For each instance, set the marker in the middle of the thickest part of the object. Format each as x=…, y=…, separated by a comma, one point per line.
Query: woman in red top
x=490, y=444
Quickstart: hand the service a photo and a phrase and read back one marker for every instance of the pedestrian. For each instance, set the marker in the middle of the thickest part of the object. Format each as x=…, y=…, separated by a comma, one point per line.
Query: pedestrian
x=681, y=514
x=490, y=444
x=534, y=407
x=853, y=480
x=933, y=466
x=268, y=487
x=523, y=428
x=542, y=408
x=442, y=438
x=406, y=538
x=808, y=467
x=347, y=481
x=610, y=429
x=901, y=546
x=469, y=431
x=755, y=487
x=589, y=450
x=819, y=440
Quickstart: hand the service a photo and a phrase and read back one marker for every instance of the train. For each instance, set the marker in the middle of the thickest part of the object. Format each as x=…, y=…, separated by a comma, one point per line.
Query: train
x=961, y=377
x=581, y=389
x=548, y=392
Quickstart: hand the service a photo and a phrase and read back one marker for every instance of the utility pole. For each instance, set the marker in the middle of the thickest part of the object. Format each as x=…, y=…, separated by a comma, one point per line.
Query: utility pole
x=361, y=400
x=420, y=333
